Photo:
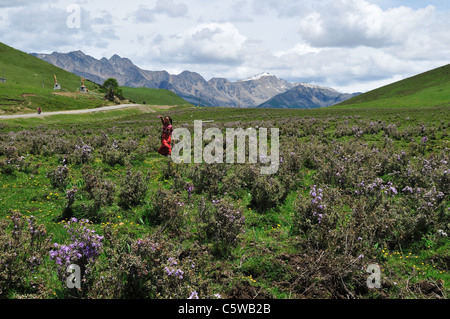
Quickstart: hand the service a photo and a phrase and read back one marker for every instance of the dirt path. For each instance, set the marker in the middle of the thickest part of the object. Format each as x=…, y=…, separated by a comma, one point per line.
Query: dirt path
x=99, y=109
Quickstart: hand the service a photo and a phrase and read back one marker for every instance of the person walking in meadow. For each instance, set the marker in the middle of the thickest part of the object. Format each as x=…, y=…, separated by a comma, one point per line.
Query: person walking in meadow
x=166, y=137
x=39, y=111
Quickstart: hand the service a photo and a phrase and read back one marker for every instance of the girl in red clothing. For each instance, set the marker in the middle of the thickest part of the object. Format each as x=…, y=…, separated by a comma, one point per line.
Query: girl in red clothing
x=166, y=136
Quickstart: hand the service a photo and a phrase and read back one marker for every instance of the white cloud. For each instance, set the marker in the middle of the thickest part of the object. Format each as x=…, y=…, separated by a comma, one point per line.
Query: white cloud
x=283, y=8
x=339, y=43
x=45, y=28
x=162, y=7
x=16, y=3
x=344, y=23
x=401, y=30
x=171, y=8
x=202, y=44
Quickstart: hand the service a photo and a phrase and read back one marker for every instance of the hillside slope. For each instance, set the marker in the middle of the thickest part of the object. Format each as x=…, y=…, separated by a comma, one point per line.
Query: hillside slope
x=28, y=71
x=29, y=84
x=431, y=88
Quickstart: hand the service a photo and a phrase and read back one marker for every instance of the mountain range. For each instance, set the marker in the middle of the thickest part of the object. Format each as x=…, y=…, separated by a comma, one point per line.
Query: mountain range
x=263, y=90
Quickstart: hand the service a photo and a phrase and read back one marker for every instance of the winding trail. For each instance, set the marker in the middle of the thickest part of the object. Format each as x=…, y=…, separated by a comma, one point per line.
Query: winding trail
x=98, y=109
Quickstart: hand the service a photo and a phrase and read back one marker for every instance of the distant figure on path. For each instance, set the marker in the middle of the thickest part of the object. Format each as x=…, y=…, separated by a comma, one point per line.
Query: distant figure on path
x=166, y=136
x=39, y=110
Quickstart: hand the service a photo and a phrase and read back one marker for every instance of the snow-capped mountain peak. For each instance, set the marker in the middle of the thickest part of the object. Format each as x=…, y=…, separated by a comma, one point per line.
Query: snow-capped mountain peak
x=314, y=86
x=258, y=76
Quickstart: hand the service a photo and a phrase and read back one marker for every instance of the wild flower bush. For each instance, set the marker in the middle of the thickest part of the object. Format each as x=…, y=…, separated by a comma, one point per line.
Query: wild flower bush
x=221, y=223
x=84, y=248
x=132, y=189
x=8, y=166
x=59, y=177
x=82, y=154
x=167, y=210
x=70, y=200
x=268, y=192
x=13, y=163
x=23, y=247
x=98, y=189
x=58, y=145
x=112, y=154
x=207, y=178
x=327, y=275
x=147, y=267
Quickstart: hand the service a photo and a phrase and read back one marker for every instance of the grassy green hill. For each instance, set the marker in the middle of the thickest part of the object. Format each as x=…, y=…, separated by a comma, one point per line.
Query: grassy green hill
x=431, y=88
x=152, y=96
x=28, y=71
x=29, y=84
x=30, y=80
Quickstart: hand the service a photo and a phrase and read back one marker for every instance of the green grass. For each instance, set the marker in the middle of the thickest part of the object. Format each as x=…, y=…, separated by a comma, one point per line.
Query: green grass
x=255, y=261
x=27, y=71
x=16, y=99
x=29, y=84
x=431, y=88
x=152, y=96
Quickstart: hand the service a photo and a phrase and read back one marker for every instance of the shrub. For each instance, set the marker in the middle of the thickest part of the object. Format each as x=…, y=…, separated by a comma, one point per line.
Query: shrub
x=99, y=190
x=268, y=192
x=147, y=267
x=113, y=155
x=322, y=274
x=13, y=163
x=221, y=223
x=207, y=178
x=59, y=177
x=70, y=198
x=85, y=247
x=23, y=247
x=167, y=210
x=132, y=189
x=7, y=166
x=82, y=154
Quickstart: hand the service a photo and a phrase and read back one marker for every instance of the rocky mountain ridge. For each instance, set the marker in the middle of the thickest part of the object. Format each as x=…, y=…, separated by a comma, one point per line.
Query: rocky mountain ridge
x=191, y=86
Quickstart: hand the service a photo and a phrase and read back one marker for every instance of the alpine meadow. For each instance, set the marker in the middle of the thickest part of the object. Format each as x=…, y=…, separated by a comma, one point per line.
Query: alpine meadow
x=358, y=208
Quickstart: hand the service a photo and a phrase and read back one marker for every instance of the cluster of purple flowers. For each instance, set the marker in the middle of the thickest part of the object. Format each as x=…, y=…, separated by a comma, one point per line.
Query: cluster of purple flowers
x=86, y=149
x=190, y=190
x=172, y=270
x=59, y=176
x=194, y=295
x=86, y=245
x=317, y=204
x=433, y=198
x=33, y=228
x=83, y=153
x=229, y=218
x=114, y=145
x=375, y=187
x=234, y=216
x=143, y=245
x=70, y=195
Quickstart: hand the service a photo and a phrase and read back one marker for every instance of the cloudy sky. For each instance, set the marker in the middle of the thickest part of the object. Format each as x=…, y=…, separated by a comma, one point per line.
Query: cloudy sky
x=349, y=45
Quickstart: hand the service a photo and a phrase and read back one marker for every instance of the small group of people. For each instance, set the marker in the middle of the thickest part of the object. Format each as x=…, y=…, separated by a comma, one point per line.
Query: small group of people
x=166, y=136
